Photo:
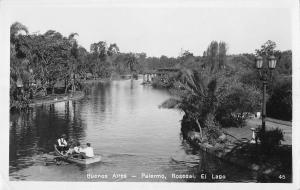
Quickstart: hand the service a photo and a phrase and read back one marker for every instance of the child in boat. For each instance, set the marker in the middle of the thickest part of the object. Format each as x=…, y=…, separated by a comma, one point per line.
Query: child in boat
x=71, y=150
x=77, y=148
x=74, y=149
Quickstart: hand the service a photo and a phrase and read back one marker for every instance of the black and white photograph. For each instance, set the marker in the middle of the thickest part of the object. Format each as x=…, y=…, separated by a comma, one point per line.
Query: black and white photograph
x=171, y=92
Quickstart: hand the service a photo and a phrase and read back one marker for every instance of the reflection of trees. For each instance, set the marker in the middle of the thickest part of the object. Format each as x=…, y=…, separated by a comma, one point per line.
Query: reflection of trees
x=38, y=130
x=133, y=95
x=76, y=129
x=20, y=140
x=13, y=141
x=101, y=100
x=100, y=96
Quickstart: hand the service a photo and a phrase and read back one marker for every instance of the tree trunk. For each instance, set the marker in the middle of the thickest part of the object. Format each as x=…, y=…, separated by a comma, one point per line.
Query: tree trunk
x=53, y=87
x=73, y=83
x=45, y=89
x=200, y=129
x=66, y=86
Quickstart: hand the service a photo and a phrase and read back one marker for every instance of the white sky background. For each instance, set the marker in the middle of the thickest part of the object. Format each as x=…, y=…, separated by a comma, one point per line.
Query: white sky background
x=163, y=30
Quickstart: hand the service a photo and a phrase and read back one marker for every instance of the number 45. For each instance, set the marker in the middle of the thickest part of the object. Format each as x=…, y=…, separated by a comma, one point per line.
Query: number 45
x=281, y=177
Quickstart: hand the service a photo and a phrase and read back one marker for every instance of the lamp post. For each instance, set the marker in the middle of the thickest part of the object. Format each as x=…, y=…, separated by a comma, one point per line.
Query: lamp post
x=265, y=73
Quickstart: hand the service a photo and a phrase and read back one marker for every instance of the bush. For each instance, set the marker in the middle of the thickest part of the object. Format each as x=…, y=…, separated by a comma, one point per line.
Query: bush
x=231, y=120
x=161, y=83
x=270, y=138
x=188, y=124
x=238, y=102
x=279, y=105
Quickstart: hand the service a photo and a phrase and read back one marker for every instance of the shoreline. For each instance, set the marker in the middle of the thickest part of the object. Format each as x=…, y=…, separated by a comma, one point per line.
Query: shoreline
x=91, y=81
x=230, y=152
x=58, y=98
x=55, y=98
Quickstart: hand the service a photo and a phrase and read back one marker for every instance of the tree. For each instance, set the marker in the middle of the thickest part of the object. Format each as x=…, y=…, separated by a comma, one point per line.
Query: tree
x=113, y=49
x=83, y=64
x=19, y=67
x=215, y=56
x=73, y=62
x=15, y=29
x=131, y=61
x=195, y=97
x=98, y=59
x=99, y=49
x=49, y=52
x=210, y=99
x=17, y=54
x=240, y=100
x=222, y=54
x=267, y=49
x=280, y=103
x=284, y=63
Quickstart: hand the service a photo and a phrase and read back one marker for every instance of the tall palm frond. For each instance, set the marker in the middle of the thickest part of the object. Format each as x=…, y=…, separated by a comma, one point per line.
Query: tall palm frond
x=15, y=30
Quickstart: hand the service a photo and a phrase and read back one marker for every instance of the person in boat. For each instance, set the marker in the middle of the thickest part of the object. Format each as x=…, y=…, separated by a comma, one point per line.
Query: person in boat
x=77, y=148
x=87, y=152
x=62, y=144
x=74, y=150
x=71, y=150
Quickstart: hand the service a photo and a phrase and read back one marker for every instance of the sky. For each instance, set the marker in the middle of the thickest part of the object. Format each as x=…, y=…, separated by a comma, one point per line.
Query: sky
x=162, y=30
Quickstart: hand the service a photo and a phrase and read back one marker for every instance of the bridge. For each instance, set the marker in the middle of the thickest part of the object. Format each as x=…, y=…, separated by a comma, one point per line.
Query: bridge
x=148, y=76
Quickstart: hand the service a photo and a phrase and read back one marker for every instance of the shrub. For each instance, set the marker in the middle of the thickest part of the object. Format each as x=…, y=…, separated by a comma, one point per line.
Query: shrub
x=231, y=120
x=279, y=105
x=270, y=138
x=239, y=100
x=158, y=82
x=188, y=124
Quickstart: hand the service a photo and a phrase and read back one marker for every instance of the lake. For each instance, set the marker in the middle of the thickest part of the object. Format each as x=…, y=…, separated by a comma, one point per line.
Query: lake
x=122, y=120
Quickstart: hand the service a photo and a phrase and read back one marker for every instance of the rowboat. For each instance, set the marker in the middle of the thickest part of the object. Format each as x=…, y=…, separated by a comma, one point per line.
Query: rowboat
x=86, y=161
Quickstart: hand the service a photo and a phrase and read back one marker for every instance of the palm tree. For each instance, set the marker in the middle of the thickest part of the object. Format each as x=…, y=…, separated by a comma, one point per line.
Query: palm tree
x=18, y=63
x=194, y=96
x=74, y=59
x=15, y=30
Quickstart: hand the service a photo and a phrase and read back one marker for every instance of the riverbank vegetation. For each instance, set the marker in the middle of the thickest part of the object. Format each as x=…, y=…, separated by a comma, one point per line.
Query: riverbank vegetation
x=224, y=92
x=50, y=63
x=47, y=64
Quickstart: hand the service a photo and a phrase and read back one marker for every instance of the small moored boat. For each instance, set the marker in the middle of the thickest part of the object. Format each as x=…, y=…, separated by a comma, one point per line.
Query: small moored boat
x=96, y=158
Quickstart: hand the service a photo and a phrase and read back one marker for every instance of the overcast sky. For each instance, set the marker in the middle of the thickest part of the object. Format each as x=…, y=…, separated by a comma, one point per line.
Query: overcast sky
x=163, y=30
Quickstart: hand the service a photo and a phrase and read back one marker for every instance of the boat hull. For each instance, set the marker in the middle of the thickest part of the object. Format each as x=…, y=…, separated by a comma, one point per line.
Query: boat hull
x=95, y=159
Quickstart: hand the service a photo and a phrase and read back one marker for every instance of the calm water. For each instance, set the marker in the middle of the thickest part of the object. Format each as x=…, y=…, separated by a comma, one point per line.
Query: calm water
x=122, y=121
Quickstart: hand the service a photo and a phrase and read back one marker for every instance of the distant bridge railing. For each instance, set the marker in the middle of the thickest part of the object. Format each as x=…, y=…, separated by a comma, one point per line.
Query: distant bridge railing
x=162, y=72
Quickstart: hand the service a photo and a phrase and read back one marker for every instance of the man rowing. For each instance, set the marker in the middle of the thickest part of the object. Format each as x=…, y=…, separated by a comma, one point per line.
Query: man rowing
x=62, y=144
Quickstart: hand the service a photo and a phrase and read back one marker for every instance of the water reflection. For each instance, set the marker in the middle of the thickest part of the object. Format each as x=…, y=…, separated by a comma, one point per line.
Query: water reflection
x=122, y=121
x=35, y=132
